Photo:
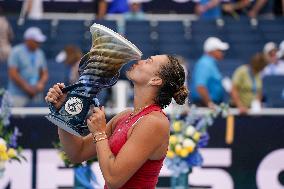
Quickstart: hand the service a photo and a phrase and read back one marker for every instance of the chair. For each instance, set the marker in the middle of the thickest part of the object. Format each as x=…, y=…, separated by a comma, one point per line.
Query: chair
x=57, y=74
x=239, y=27
x=228, y=66
x=181, y=49
x=107, y=23
x=271, y=25
x=44, y=25
x=201, y=37
x=139, y=37
x=3, y=75
x=170, y=27
x=144, y=42
x=71, y=25
x=244, y=37
x=137, y=27
x=148, y=49
x=204, y=27
x=245, y=51
x=276, y=37
x=273, y=90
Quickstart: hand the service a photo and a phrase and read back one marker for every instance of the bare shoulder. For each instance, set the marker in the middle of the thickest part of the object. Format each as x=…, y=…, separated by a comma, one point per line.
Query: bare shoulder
x=158, y=118
x=154, y=123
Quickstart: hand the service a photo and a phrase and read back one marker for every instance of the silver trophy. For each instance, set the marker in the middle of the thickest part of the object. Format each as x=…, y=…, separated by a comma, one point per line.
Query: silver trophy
x=98, y=69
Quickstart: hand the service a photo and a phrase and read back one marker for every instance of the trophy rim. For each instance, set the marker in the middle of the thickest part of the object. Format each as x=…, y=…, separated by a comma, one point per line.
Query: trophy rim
x=117, y=35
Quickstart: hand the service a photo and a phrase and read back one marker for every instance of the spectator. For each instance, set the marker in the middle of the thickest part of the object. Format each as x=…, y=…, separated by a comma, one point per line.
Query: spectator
x=33, y=9
x=71, y=56
x=206, y=85
x=208, y=9
x=278, y=8
x=247, y=83
x=111, y=6
x=102, y=9
x=280, y=53
x=275, y=66
x=6, y=35
x=135, y=11
x=258, y=6
x=27, y=69
x=245, y=7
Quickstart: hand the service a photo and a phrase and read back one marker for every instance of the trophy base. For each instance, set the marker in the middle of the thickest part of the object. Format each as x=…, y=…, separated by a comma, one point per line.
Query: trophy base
x=67, y=127
x=72, y=115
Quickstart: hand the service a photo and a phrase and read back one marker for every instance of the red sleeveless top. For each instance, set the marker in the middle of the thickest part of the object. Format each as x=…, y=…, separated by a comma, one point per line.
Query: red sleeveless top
x=146, y=176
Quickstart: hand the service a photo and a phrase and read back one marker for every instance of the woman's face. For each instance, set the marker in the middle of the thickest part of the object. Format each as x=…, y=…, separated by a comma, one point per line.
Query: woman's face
x=144, y=70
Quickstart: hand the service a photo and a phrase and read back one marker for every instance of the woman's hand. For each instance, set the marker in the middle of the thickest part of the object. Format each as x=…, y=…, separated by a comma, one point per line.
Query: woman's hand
x=243, y=110
x=97, y=121
x=56, y=96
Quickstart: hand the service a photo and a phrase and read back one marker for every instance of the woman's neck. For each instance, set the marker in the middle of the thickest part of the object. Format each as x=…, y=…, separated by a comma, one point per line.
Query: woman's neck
x=143, y=97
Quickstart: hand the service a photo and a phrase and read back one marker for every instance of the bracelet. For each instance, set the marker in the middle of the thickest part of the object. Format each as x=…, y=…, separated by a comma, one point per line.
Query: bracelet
x=99, y=139
x=97, y=134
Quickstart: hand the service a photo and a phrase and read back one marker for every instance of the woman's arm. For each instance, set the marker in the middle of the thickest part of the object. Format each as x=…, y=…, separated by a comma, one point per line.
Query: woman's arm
x=78, y=149
x=149, y=134
x=237, y=101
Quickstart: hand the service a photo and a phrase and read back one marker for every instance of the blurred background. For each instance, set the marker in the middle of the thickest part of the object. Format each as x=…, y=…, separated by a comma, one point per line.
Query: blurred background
x=232, y=51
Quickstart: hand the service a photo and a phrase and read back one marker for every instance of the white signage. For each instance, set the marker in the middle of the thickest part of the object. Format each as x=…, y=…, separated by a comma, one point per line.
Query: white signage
x=18, y=175
x=50, y=172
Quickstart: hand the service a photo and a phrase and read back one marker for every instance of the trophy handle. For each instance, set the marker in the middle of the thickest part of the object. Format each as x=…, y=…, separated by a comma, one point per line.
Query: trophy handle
x=64, y=90
x=51, y=107
x=70, y=87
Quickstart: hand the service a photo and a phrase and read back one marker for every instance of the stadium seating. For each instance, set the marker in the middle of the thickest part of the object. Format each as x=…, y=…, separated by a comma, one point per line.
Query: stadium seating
x=273, y=90
x=3, y=75
x=164, y=36
x=145, y=41
x=157, y=37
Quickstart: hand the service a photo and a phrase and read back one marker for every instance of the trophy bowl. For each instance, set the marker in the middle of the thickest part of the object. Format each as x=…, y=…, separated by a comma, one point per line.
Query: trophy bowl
x=98, y=69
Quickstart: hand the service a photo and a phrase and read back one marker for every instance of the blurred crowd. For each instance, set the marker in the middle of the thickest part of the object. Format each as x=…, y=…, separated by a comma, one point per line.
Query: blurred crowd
x=28, y=73
x=245, y=89
x=205, y=9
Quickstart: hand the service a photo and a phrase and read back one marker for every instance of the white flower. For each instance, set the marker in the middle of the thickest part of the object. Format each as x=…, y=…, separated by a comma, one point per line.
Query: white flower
x=178, y=147
x=2, y=141
x=188, y=143
x=180, y=138
x=189, y=131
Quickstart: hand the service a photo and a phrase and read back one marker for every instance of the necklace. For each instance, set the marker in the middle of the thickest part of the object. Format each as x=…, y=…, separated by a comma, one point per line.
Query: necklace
x=135, y=112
